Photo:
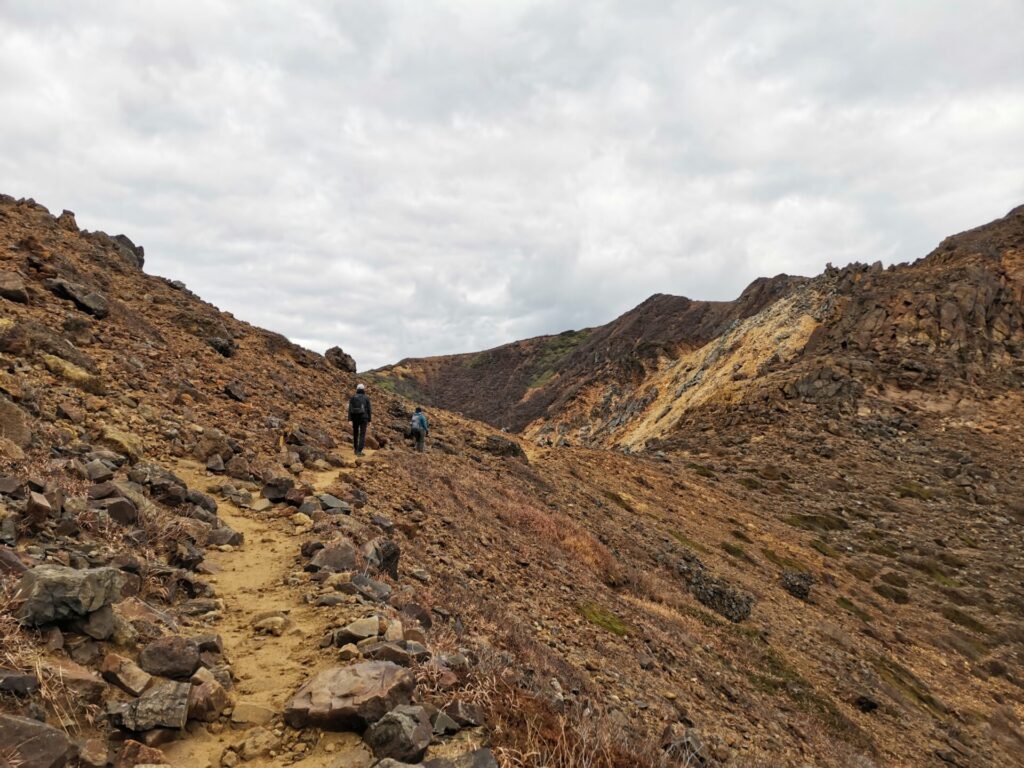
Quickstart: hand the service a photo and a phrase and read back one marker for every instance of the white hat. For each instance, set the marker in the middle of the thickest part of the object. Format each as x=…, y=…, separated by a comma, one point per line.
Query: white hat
x=360, y=387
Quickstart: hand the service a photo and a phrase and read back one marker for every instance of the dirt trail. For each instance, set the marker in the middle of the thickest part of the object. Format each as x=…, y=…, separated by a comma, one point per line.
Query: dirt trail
x=252, y=580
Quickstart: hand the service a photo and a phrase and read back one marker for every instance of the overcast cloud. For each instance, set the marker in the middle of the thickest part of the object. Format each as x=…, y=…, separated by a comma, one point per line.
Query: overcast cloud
x=415, y=178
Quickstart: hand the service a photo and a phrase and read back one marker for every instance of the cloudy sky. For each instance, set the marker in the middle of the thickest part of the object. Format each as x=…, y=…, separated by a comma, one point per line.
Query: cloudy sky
x=420, y=177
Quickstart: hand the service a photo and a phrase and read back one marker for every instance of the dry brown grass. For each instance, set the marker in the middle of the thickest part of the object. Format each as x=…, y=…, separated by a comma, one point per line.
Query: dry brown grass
x=21, y=650
x=563, y=532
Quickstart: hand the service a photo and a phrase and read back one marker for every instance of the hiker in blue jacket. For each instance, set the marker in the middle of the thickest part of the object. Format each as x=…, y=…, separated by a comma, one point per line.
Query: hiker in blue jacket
x=420, y=427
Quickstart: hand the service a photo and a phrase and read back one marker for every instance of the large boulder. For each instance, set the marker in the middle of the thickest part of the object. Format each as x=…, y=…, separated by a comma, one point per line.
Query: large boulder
x=353, y=697
x=337, y=357
x=55, y=592
x=30, y=744
x=404, y=734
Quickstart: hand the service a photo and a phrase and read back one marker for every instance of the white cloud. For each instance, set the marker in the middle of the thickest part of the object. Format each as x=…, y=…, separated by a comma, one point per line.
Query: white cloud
x=415, y=178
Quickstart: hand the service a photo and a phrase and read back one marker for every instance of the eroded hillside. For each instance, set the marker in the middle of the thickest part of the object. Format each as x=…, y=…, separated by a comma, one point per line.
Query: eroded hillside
x=193, y=556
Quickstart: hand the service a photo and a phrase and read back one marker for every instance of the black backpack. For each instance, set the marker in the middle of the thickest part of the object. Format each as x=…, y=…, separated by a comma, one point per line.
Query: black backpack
x=357, y=406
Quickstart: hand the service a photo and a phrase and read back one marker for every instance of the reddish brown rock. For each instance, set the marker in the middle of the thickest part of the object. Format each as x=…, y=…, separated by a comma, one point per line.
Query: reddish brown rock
x=342, y=698
x=125, y=674
x=134, y=753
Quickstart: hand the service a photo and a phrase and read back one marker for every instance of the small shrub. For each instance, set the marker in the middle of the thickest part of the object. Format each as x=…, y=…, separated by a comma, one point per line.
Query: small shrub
x=783, y=561
x=895, y=579
x=824, y=548
x=736, y=551
x=686, y=541
x=701, y=470
x=897, y=595
x=851, y=607
x=817, y=522
x=965, y=620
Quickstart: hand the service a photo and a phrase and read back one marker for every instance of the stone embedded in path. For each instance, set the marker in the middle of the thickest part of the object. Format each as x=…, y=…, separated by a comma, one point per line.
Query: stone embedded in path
x=404, y=733
x=54, y=592
x=207, y=701
x=251, y=713
x=352, y=697
x=276, y=487
x=31, y=744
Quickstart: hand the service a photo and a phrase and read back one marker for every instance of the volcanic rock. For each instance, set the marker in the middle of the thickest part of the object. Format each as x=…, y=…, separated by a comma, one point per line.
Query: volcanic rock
x=355, y=696
x=53, y=592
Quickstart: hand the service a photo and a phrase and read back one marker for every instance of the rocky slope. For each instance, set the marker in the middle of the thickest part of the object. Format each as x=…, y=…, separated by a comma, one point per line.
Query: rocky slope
x=197, y=571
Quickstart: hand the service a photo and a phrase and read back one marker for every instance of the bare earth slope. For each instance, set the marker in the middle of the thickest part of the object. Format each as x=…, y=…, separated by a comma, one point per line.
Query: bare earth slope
x=809, y=556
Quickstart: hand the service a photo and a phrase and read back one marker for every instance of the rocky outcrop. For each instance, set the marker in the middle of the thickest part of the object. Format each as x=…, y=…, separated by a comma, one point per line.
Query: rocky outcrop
x=337, y=357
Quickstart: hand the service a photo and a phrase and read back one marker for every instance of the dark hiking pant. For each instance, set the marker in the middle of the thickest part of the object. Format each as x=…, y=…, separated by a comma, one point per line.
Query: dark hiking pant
x=420, y=436
x=358, y=435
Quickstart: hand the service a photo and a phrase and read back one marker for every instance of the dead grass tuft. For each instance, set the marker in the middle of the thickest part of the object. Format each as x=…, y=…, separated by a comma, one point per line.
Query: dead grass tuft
x=20, y=650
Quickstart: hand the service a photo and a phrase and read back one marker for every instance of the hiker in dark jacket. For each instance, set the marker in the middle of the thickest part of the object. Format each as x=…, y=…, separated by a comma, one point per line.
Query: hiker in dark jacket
x=359, y=413
x=420, y=427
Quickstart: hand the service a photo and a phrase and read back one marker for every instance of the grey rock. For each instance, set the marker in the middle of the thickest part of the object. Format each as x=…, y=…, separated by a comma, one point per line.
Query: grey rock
x=54, y=592
x=338, y=555
x=798, y=584
x=404, y=733
x=383, y=555
x=12, y=287
x=88, y=301
x=32, y=744
x=163, y=705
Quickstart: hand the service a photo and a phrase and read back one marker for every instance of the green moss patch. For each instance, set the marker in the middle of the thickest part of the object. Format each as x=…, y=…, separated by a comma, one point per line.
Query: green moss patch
x=686, y=541
x=783, y=561
x=605, y=619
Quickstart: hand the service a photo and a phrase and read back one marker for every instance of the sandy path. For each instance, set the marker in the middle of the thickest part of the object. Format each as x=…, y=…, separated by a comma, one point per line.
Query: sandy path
x=253, y=580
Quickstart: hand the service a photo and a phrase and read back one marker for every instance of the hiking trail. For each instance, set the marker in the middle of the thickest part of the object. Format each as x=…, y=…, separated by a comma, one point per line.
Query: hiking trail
x=256, y=580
